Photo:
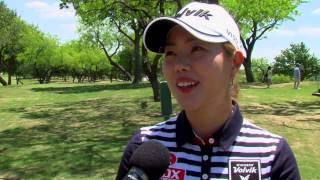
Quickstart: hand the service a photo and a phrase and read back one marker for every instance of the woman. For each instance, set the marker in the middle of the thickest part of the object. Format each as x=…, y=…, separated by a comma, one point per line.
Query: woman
x=209, y=139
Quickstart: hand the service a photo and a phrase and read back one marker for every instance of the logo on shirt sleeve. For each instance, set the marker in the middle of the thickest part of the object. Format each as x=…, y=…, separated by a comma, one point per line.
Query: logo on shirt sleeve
x=242, y=169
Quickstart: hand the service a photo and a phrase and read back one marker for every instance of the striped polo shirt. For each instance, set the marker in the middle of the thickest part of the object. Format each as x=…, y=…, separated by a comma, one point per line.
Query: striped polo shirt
x=239, y=150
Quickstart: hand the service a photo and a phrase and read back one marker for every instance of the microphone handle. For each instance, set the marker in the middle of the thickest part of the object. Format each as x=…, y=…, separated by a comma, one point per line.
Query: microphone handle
x=136, y=173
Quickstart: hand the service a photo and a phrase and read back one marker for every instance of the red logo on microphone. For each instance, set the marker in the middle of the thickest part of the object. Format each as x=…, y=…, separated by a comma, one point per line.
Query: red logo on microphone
x=173, y=158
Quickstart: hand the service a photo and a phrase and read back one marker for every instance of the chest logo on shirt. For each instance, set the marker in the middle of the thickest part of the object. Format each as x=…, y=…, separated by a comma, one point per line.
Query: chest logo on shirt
x=173, y=158
x=173, y=174
x=243, y=169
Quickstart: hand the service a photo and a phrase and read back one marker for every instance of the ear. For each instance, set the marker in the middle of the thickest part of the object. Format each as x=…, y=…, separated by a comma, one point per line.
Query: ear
x=238, y=59
x=236, y=63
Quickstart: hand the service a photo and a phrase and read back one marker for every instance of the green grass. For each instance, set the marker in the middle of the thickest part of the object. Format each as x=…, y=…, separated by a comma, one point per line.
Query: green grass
x=79, y=131
x=294, y=114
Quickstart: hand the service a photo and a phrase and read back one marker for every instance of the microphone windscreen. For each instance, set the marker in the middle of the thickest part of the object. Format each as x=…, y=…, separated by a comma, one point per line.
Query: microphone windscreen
x=151, y=157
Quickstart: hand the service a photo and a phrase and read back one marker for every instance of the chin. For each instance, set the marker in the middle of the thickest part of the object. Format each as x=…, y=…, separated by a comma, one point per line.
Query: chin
x=188, y=106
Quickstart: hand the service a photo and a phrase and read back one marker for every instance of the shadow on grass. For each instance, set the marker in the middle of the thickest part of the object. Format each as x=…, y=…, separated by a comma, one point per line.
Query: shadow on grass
x=255, y=85
x=77, y=140
x=310, y=120
x=288, y=108
x=91, y=88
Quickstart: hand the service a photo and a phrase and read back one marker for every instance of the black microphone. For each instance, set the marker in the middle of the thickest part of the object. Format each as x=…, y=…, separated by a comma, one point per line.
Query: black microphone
x=149, y=162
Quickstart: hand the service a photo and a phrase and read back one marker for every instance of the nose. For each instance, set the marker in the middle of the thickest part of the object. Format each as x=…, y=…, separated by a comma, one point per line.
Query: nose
x=182, y=64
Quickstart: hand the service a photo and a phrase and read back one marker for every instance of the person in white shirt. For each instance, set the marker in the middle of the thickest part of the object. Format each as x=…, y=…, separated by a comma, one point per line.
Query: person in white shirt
x=296, y=76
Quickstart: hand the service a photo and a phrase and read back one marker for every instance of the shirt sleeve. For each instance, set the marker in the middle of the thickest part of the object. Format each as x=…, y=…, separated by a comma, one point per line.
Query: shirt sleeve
x=132, y=145
x=285, y=166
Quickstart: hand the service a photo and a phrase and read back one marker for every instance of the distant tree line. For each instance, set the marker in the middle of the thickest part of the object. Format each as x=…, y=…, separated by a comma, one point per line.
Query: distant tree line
x=25, y=51
x=110, y=44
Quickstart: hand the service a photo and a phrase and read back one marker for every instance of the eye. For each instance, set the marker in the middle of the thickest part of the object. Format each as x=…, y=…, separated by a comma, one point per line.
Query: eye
x=169, y=53
x=197, y=48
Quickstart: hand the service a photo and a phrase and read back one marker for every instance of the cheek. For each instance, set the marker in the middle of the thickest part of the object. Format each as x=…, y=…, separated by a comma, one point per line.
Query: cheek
x=168, y=73
x=216, y=70
x=167, y=69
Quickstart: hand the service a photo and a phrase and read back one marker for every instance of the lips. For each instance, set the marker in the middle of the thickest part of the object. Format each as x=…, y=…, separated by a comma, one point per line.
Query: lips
x=186, y=84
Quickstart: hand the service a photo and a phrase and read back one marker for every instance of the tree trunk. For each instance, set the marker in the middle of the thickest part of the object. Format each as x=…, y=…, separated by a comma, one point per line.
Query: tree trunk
x=247, y=61
x=2, y=69
x=151, y=72
x=11, y=68
x=247, y=68
x=47, y=76
x=249, y=74
x=48, y=79
x=41, y=80
x=131, y=59
x=3, y=82
x=137, y=74
x=113, y=63
x=9, y=79
x=10, y=72
x=155, y=88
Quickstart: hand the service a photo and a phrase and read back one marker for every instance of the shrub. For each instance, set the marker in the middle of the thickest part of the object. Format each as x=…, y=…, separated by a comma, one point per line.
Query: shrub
x=279, y=78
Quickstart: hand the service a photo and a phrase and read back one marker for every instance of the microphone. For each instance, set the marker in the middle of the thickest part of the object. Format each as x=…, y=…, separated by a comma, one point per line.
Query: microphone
x=149, y=162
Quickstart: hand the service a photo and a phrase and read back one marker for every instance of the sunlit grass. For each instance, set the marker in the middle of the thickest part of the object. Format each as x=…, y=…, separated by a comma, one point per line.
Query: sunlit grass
x=71, y=131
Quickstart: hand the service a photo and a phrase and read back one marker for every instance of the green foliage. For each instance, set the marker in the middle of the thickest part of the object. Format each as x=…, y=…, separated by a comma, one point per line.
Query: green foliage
x=297, y=53
x=126, y=59
x=127, y=20
x=83, y=60
x=259, y=68
x=41, y=52
x=43, y=57
x=7, y=19
x=11, y=30
x=280, y=78
x=256, y=18
x=241, y=77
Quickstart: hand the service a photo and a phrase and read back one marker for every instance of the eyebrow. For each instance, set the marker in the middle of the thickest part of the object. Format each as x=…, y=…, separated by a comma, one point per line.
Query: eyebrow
x=187, y=41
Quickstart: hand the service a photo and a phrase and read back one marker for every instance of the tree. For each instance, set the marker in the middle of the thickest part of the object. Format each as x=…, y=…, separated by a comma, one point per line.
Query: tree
x=81, y=60
x=41, y=52
x=297, y=54
x=7, y=20
x=130, y=19
x=103, y=35
x=259, y=68
x=13, y=47
x=256, y=18
x=106, y=17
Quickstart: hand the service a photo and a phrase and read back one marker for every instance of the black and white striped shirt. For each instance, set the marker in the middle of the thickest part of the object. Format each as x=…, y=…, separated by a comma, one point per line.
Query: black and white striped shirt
x=239, y=150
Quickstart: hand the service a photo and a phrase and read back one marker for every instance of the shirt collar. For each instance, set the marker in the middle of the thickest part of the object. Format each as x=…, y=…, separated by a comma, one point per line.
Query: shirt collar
x=225, y=136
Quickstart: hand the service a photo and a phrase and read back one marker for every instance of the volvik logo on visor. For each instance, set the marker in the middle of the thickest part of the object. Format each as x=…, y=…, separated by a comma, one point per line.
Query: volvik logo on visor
x=195, y=12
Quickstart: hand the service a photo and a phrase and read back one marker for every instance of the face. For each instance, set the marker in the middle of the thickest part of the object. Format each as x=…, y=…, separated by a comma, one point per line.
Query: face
x=198, y=73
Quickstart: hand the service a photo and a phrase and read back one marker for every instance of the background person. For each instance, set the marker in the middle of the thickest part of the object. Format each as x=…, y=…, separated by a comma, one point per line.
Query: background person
x=296, y=76
x=209, y=138
x=269, y=76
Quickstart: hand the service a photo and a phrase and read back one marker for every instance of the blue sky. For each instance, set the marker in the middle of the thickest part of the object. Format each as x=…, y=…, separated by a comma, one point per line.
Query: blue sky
x=63, y=24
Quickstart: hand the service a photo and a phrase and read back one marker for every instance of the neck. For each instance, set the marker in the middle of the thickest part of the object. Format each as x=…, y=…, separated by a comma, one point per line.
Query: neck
x=209, y=119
